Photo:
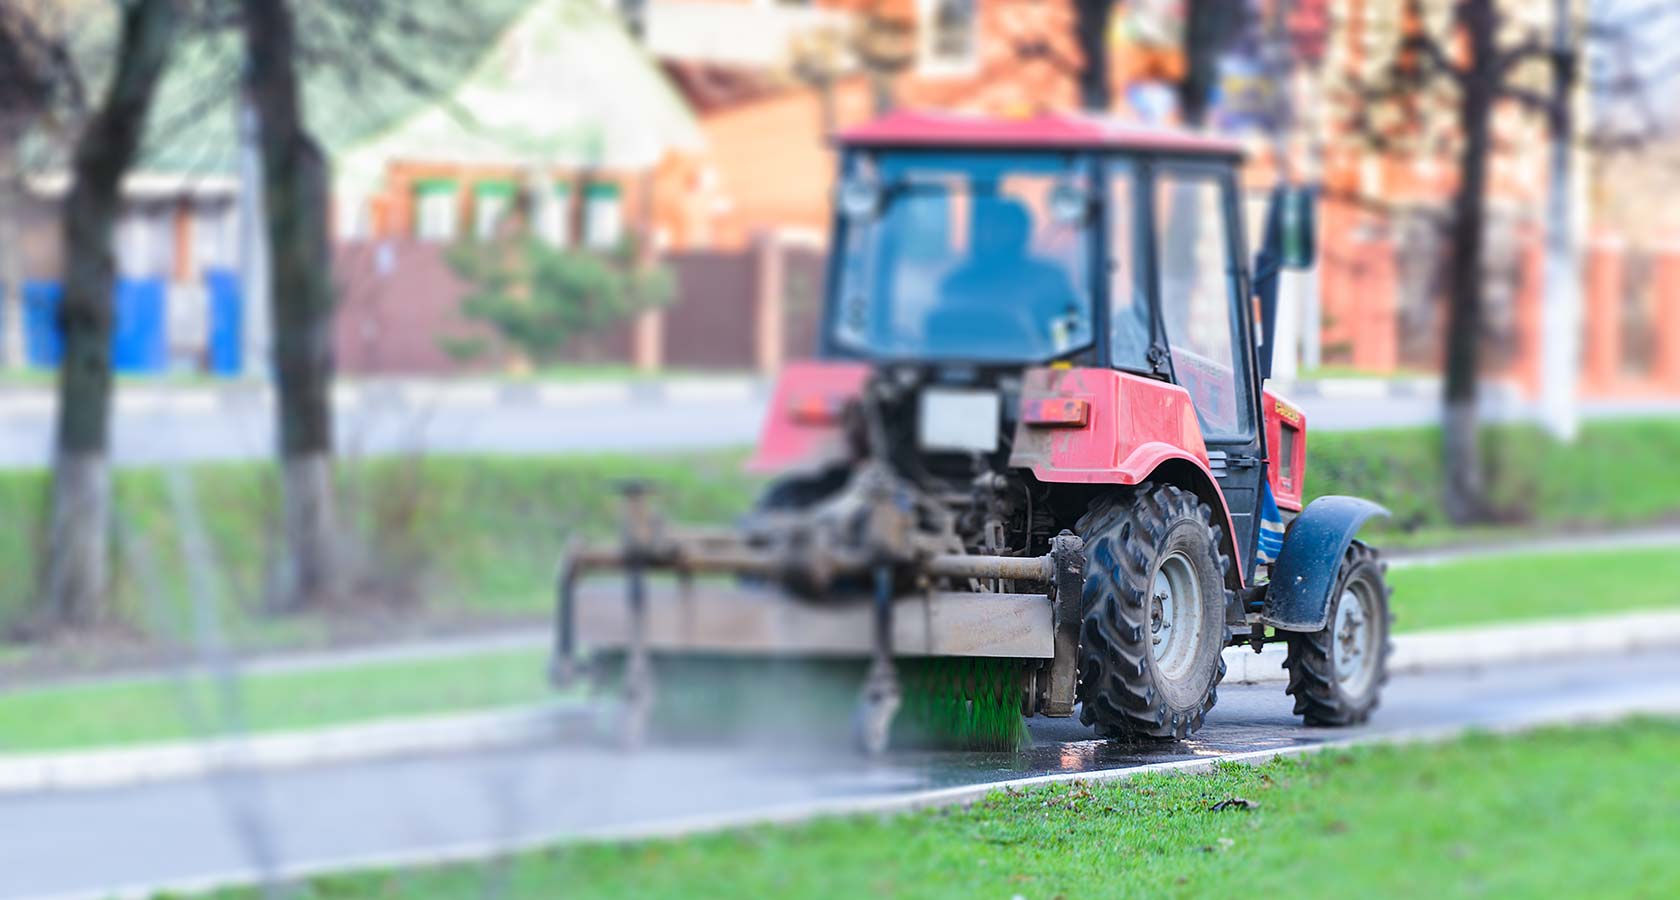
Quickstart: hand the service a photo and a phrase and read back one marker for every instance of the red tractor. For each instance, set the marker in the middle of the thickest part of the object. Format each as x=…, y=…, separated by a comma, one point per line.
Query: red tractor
x=1036, y=447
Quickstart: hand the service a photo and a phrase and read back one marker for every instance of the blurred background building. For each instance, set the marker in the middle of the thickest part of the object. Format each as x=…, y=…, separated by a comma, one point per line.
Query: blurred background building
x=697, y=131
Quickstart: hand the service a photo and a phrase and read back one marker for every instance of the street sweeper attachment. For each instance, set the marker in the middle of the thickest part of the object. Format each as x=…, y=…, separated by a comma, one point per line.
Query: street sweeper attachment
x=953, y=646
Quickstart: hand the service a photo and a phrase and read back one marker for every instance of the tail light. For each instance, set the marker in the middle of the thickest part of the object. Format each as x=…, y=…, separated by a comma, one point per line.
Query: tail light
x=816, y=409
x=1058, y=412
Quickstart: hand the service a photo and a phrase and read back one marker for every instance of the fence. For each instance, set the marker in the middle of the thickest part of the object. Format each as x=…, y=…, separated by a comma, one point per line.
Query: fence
x=139, y=332
x=1383, y=311
x=400, y=313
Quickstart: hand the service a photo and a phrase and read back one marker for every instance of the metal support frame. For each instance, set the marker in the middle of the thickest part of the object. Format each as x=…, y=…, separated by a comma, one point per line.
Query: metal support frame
x=1067, y=559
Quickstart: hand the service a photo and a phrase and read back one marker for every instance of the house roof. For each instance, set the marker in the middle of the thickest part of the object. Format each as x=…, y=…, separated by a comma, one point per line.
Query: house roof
x=564, y=85
x=1079, y=131
x=710, y=87
x=553, y=82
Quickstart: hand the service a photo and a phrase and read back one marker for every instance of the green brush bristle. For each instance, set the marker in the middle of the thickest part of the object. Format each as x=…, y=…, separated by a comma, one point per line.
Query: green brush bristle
x=960, y=703
x=956, y=703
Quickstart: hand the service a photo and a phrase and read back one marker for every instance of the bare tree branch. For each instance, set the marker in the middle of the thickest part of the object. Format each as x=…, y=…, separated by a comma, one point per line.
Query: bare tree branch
x=1531, y=49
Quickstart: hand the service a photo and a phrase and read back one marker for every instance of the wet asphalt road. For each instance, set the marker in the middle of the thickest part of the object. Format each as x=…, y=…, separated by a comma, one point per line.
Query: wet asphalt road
x=237, y=827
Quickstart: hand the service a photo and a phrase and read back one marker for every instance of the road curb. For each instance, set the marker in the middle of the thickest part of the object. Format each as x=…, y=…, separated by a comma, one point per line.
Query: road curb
x=1459, y=649
x=126, y=767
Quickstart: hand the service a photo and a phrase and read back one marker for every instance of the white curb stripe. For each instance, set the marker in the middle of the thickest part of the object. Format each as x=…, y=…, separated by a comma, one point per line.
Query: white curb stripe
x=1640, y=539
x=1461, y=648
x=90, y=770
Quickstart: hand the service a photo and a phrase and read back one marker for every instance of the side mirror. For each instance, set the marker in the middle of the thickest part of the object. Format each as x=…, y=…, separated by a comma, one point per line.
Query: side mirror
x=859, y=197
x=1070, y=202
x=1294, y=220
x=1290, y=242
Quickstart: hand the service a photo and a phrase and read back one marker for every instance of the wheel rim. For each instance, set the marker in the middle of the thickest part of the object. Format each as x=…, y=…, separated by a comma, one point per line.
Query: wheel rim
x=1175, y=615
x=1353, y=639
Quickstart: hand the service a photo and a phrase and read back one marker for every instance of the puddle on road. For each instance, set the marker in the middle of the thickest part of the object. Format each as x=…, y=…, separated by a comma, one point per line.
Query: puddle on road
x=1058, y=748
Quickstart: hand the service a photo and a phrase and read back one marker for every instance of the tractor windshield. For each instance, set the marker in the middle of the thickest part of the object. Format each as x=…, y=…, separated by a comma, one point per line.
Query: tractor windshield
x=964, y=257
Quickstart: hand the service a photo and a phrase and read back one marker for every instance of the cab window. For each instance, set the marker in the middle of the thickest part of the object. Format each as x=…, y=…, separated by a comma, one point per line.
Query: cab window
x=1198, y=300
x=1128, y=336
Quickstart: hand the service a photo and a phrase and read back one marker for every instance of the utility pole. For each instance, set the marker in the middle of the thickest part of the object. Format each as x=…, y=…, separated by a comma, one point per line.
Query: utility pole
x=12, y=198
x=1560, y=321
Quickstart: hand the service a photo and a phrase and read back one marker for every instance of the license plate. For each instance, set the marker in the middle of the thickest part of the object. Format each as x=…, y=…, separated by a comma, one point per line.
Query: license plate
x=965, y=420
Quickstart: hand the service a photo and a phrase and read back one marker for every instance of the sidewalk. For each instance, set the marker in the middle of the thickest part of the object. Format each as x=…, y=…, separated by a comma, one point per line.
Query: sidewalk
x=1500, y=400
x=170, y=423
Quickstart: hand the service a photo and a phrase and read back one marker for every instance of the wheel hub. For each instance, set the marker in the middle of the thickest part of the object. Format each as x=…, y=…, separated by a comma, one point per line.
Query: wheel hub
x=1175, y=615
x=1353, y=639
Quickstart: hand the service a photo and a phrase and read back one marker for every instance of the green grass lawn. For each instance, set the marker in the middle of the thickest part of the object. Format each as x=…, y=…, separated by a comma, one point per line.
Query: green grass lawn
x=462, y=534
x=482, y=534
x=1501, y=589
x=1556, y=813
x=129, y=712
x=1617, y=472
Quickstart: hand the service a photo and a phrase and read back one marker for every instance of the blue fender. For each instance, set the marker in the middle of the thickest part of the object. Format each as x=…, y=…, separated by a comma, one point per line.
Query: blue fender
x=1298, y=596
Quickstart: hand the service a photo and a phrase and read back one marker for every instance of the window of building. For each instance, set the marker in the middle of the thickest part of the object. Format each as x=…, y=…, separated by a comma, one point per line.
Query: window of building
x=554, y=215
x=215, y=235
x=435, y=210
x=603, y=216
x=492, y=203
x=144, y=241
x=949, y=35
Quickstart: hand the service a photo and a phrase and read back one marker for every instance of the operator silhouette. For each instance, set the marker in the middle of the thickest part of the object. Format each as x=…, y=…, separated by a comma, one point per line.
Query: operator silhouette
x=1002, y=299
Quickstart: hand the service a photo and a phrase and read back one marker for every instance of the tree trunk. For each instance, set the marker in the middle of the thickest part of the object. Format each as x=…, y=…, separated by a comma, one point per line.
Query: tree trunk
x=1091, y=28
x=72, y=584
x=295, y=198
x=1465, y=499
x=1207, y=26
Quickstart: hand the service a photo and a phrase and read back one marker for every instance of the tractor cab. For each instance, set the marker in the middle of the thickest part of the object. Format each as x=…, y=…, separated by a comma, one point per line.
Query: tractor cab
x=981, y=250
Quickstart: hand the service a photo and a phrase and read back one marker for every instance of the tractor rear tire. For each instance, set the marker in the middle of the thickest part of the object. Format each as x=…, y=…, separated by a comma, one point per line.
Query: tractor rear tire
x=1336, y=674
x=1153, y=559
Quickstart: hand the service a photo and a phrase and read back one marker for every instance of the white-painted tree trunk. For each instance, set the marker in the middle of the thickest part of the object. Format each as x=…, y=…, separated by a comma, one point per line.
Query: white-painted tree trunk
x=1461, y=451
x=74, y=579
x=1286, y=354
x=1560, y=316
x=308, y=574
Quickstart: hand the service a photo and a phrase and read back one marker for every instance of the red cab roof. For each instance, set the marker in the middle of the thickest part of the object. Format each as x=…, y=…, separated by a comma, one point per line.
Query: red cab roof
x=1047, y=130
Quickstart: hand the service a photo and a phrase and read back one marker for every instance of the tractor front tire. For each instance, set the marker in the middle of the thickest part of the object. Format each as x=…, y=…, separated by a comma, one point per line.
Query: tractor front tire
x=1336, y=674
x=1154, y=613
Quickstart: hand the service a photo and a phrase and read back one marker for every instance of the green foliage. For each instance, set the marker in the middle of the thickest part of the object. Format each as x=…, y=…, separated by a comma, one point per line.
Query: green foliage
x=464, y=349
x=541, y=299
x=1557, y=813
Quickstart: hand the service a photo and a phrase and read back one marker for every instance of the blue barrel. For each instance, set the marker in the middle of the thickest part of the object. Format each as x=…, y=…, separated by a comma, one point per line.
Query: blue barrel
x=140, y=336
x=43, y=344
x=227, y=321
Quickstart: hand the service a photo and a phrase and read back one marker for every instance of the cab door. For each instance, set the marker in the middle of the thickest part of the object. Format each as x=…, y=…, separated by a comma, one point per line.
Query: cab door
x=1200, y=282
